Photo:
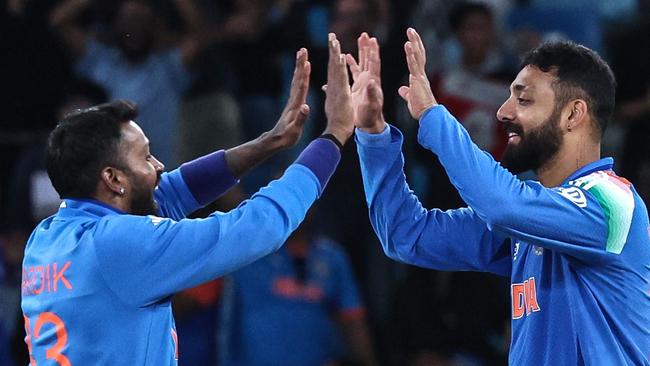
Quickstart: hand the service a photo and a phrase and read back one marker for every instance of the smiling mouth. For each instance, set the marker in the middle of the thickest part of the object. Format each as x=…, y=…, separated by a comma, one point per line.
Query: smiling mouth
x=513, y=137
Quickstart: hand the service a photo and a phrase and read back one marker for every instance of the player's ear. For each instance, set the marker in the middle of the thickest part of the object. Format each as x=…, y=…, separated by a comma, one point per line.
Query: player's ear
x=114, y=180
x=577, y=112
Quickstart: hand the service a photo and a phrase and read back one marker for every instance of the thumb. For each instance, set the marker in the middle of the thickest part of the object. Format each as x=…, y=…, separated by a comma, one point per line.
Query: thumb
x=403, y=92
x=303, y=113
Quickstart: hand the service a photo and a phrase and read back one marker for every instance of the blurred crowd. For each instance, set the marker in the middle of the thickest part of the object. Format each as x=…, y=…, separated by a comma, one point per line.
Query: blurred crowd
x=210, y=74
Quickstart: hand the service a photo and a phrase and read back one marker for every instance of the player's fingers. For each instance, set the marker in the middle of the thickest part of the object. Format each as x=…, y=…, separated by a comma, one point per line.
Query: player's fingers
x=303, y=86
x=374, y=66
x=300, y=80
x=362, y=46
x=302, y=115
x=336, y=68
x=334, y=52
x=411, y=61
x=343, y=71
x=418, y=46
x=375, y=60
x=403, y=92
x=353, y=65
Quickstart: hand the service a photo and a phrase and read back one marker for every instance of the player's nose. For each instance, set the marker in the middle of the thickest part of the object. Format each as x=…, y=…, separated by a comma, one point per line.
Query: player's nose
x=506, y=112
x=160, y=167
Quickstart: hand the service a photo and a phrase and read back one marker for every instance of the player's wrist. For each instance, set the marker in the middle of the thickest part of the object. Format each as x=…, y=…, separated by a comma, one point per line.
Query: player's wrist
x=341, y=134
x=374, y=127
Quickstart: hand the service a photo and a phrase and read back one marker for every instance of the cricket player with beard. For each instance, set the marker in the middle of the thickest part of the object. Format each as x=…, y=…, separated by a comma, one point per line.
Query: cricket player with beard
x=574, y=243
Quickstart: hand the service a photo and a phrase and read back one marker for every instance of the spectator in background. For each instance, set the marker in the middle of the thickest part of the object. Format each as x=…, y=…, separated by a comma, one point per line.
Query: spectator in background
x=285, y=308
x=142, y=62
x=472, y=87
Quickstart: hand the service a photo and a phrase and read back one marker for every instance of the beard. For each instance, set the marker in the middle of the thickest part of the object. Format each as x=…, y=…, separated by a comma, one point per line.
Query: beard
x=536, y=147
x=142, y=201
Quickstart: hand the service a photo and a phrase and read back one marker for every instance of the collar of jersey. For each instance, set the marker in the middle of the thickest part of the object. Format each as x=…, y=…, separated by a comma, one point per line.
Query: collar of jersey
x=598, y=165
x=90, y=206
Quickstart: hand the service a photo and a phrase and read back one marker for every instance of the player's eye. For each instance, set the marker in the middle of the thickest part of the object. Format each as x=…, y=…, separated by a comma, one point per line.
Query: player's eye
x=523, y=101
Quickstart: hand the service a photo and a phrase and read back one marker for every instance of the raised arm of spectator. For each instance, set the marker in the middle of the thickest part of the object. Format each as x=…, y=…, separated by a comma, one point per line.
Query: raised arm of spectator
x=194, y=39
x=62, y=20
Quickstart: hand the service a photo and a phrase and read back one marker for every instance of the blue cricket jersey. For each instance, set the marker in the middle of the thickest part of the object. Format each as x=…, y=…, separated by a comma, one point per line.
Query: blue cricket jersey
x=97, y=282
x=578, y=255
x=270, y=317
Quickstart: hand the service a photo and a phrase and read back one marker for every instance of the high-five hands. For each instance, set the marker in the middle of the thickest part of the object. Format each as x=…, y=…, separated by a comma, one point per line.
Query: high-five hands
x=418, y=94
x=367, y=95
x=338, y=100
x=288, y=129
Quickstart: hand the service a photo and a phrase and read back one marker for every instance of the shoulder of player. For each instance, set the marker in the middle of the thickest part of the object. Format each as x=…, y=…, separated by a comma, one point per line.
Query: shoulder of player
x=615, y=196
x=606, y=186
x=129, y=225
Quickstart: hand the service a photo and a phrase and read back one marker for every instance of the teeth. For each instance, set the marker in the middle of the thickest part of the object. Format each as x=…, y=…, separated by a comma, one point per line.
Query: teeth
x=511, y=134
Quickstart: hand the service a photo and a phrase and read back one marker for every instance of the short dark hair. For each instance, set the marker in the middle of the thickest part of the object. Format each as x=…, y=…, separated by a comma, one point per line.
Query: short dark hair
x=462, y=10
x=580, y=73
x=82, y=144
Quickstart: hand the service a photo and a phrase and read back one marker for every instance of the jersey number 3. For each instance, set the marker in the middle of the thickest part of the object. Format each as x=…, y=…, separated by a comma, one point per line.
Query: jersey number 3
x=54, y=352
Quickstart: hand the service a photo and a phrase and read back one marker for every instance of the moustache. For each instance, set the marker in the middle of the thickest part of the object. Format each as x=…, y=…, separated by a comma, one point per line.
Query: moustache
x=512, y=127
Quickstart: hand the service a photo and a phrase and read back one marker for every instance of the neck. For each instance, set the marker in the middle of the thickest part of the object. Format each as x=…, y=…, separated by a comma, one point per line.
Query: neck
x=112, y=200
x=573, y=155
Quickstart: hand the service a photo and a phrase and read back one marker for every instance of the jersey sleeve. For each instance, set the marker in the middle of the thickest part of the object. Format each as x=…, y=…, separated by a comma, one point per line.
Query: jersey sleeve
x=146, y=258
x=193, y=185
x=444, y=240
x=571, y=219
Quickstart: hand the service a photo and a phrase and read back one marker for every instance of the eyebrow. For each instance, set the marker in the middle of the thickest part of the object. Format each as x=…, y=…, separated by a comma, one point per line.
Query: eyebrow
x=519, y=87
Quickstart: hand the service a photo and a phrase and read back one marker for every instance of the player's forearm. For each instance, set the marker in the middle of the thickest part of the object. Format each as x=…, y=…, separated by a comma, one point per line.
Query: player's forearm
x=263, y=223
x=482, y=183
x=524, y=210
x=243, y=158
x=208, y=177
x=408, y=232
x=395, y=213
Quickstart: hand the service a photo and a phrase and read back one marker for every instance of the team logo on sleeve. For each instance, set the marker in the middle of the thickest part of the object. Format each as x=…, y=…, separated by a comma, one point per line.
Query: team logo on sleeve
x=574, y=194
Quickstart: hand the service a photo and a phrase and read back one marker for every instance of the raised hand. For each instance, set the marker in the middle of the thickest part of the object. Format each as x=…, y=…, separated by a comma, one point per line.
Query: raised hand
x=418, y=94
x=288, y=129
x=338, y=100
x=367, y=95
